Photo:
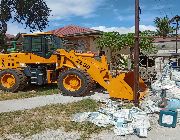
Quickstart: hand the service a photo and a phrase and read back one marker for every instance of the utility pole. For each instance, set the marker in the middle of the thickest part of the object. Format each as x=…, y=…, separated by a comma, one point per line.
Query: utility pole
x=136, y=55
x=177, y=27
x=176, y=19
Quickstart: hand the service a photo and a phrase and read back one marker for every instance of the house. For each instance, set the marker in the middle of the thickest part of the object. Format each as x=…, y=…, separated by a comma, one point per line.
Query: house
x=10, y=37
x=167, y=45
x=79, y=38
x=7, y=40
x=166, y=49
x=84, y=39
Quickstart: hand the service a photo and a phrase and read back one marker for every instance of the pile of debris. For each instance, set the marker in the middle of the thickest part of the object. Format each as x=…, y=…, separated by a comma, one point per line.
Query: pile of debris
x=169, y=82
x=166, y=91
x=125, y=121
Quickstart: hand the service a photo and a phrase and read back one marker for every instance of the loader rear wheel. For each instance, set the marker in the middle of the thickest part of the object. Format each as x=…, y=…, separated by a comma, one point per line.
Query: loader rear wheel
x=12, y=80
x=74, y=82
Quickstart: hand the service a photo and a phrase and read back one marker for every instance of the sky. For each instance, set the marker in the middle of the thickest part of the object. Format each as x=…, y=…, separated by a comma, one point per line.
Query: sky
x=104, y=15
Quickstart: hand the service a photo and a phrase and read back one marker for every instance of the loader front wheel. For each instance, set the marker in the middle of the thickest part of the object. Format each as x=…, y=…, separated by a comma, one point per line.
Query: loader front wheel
x=74, y=82
x=11, y=80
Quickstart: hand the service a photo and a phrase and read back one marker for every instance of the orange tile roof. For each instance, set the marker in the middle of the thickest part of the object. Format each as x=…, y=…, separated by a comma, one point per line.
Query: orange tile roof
x=73, y=30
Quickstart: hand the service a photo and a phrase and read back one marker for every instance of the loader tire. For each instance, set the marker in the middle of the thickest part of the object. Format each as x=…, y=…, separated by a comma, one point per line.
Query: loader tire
x=75, y=83
x=12, y=80
x=23, y=80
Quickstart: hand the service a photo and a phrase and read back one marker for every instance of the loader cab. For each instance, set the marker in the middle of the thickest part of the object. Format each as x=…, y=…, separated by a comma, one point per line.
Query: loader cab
x=42, y=44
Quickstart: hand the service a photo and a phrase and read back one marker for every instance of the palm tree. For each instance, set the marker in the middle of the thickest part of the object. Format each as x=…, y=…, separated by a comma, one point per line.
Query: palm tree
x=163, y=26
x=176, y=20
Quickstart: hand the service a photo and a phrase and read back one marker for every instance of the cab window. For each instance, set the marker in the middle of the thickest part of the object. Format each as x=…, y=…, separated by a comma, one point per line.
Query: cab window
x=27, y=44
x=37, y=44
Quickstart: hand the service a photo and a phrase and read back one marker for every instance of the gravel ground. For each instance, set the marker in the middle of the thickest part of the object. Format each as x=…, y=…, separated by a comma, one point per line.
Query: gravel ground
x=160, y=133
x=157, y=133
x=30, y=103
x=59, y=134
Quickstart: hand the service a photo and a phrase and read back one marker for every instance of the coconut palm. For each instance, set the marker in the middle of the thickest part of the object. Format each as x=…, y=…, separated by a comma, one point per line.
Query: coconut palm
x=163, y=26
x=176, y=19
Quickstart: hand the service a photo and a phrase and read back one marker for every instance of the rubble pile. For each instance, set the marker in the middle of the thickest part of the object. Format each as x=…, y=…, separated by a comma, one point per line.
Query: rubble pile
x=135, y=120
x=169, y=81
x=125, y=121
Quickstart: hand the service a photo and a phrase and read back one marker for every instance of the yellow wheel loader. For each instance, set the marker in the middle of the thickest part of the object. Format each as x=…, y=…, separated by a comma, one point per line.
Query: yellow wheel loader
x=44, y=61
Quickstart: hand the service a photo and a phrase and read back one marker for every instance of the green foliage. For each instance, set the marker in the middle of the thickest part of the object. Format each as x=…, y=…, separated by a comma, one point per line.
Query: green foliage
x=176, y=20
x=110, y=40
x=116, y=41
x=33, y=13
x=146, y=42
x=3, y=44
x=163, y=26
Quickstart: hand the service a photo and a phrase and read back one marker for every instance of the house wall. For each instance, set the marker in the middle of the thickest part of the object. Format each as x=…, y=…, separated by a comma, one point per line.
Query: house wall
x=89, y=43
x=164, y=48
x=93, y=45
x=167, y=47
x=79, y=43
x=85, y=44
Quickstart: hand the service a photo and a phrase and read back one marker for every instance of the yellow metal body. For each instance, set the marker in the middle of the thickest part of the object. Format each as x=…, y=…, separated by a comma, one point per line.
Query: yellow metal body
x=118, y=87
x=72, y=82
x=8, y=80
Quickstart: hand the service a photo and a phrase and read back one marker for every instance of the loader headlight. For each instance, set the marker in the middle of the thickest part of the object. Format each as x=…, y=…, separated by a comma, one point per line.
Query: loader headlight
x=22, y=64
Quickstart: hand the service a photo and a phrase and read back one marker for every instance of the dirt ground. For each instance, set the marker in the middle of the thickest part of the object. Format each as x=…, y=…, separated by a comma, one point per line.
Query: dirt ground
x=156, y=133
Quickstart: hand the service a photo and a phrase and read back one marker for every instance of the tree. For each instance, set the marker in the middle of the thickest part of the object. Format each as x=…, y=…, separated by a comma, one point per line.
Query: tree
x=146, y=41
x=115, y=41
x=33, y=13
x=163, y=26
x=110, y=40
x=3, y=42
x=176, y=20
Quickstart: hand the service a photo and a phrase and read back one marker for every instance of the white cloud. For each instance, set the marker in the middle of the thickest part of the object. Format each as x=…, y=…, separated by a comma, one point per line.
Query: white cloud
x=15, y=28
x=62, y=9
x=124, y=30
x=125, y=18
x=65, y=8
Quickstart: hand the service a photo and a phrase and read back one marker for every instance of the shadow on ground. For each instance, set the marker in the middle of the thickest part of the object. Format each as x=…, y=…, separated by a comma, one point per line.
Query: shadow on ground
x=41, y=88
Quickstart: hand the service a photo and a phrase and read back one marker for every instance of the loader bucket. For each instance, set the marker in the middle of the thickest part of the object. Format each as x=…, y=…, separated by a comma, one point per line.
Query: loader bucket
x=123, y=85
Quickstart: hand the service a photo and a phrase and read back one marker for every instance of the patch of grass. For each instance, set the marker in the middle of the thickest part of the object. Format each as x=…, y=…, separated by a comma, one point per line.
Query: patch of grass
x=33, y=121
x=31, y=91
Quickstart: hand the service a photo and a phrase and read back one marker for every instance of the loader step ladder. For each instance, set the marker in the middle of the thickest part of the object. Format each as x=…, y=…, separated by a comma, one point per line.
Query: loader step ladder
x=37, y=76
